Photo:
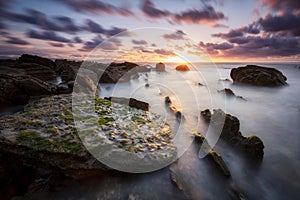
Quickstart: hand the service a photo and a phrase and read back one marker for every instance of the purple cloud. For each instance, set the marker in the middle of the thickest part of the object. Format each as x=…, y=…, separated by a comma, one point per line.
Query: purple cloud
x=149, y=9
x=139, y=42
x=164, y=52
x=178, y=35
x=95, y=7
x=55, y=44
x=14, y=40
x=46, y=35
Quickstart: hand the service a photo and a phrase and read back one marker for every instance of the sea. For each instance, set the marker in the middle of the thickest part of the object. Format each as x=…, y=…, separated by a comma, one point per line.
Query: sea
x=271, y=113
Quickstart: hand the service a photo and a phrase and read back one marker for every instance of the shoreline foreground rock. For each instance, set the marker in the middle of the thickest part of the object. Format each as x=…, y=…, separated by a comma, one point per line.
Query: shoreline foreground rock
x=258, y=76
x=182, y=68
x=230, y=132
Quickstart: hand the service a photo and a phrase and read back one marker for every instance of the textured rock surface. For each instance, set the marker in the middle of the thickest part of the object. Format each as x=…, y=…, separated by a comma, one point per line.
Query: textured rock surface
x=160, y=67
x=257, y=75
x=252, y=145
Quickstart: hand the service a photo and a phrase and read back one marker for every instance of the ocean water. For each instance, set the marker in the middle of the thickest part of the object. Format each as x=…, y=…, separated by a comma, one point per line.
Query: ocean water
x=273, y=114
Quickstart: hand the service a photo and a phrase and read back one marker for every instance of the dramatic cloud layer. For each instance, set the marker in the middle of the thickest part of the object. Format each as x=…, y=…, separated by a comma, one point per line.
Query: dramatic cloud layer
x=178, y=35
x=14, y=40
x=95, y=7
x=46, y=35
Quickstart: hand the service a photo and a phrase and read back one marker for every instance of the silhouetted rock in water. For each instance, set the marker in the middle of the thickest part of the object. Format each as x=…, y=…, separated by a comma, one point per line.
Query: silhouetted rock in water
x=147, y=85
x=130, y=102
x=119, y=72
x=229, y=93
x=175, y=180
x=182, y=68
x=144, y=68
x=200, y=84
x=257, y=75
x=206, y=114
x=160, y=67
x=230, y=125
x=25, y=58
x=212, y=154
x=168, y=100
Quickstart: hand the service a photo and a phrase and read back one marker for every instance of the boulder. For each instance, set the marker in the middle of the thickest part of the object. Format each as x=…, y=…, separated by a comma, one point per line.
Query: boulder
x=26, y=58
x=252, y=145
x=67, y=69
x=118, y=72
x=257, y=75
x=182, y=68
x=160, y=67
x=130, y=102
x=229, y=93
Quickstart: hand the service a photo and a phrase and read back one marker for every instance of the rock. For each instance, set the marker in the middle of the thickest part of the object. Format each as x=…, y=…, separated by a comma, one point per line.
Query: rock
x=212, y=154
x=168, y=100
x=252, y=145
x=175, y=180
x=130, y=102
x=257, y=75
x=118, y=72
x=67, y=69
x=206, y=114
x=144, y=68
x=44, y=73
x=227, y=92
x=25, y=58
x=226, y=80
x=160, y=67
x=182, y=68
x=236, y=194
x=16, y=89
x=147, y=85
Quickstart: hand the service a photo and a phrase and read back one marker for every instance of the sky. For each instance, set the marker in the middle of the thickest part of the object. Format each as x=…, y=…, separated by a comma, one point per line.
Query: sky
x=152, y=30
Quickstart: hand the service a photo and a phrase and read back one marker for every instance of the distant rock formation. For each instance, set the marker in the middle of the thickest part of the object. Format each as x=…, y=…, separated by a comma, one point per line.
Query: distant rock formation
x=160, y=67
x=257, y=75
x=182, y=68
x=229, y=93
x=252, y=145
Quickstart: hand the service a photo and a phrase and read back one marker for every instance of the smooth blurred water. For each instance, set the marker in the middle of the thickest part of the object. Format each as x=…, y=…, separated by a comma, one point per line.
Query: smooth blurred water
x=273, y=114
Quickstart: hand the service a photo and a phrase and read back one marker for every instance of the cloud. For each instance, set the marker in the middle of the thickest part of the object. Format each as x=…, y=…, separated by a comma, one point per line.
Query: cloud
x=46, y=35
x=178, y=35
x=288, y=23
x=40, y=20
x=94, y=27
x=217, y=46
x=286, y=5
x=232, y=33
x=14, y=40
x=207, y=15
x=149, y=9
x=55, y=44
x=139, y=42
x=239, y=40
x=90, y=45
x=77, y=39
x=95, y=7
x=164, y=52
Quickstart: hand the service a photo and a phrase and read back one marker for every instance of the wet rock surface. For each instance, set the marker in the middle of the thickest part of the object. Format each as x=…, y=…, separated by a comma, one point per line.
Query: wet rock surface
x=229, y=93
x=160, y=67
x=257, y=75
x=130, y=102
x=230, y=132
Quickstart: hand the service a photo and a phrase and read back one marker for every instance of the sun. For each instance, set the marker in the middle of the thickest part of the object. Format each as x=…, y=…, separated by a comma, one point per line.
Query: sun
x=174, y=59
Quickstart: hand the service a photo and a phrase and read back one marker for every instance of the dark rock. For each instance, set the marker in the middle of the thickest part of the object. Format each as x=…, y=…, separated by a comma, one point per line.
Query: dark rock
x=206, y=114
x=17, y=89
x=227, y=92
x=257, y=75
x=67, y=69
x=175, y=179
x=45, y=73
x=226, y=79
x=25, y=58
x=212, y=154
x=160, y=67
x=130, y=102
x=168, y=100
x=118, y=72
x=147, y=85
x=182, y=68
x=144, y=68
x=230, y=126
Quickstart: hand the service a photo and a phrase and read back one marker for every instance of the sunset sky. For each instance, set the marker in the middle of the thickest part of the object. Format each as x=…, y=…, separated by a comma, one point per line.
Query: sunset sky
x=152, y=30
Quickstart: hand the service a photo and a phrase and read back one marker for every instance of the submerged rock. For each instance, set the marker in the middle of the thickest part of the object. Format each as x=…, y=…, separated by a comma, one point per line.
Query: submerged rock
x=182, y=68
x=257, y=75
x=229, y=93
x=230, y=126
